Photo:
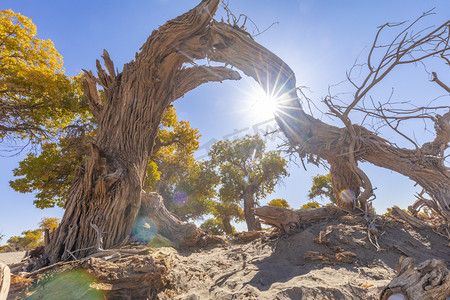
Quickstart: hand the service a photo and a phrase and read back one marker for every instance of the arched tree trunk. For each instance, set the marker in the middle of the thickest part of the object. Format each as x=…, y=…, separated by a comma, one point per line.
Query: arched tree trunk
x=107, y=189
x=311, y=137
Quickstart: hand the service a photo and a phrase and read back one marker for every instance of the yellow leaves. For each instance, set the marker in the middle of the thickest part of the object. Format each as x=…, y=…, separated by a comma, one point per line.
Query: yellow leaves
x=49, y=223
x=279, y=203
x=37, y=99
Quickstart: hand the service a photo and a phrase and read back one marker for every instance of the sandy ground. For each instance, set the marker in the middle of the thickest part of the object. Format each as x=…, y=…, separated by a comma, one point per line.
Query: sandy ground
x=12, y=257
x=279, y=268
x=332, y=259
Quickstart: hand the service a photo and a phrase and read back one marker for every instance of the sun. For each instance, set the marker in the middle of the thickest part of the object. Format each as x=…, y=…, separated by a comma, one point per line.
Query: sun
x=264, y=105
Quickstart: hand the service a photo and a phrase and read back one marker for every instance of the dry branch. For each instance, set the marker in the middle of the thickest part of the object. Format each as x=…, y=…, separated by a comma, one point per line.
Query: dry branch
x=404, y=217
x=289, y=220
x=429, y=280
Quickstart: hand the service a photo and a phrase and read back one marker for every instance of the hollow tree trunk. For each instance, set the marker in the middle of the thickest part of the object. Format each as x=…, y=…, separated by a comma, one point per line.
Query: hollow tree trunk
x=249, y=205
x=107, y=190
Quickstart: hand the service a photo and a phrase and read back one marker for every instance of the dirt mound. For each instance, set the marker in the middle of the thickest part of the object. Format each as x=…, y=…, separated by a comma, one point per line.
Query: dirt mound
x=333, y=259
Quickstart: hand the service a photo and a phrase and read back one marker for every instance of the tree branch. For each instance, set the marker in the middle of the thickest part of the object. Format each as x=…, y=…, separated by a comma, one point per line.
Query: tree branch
x=190, y=78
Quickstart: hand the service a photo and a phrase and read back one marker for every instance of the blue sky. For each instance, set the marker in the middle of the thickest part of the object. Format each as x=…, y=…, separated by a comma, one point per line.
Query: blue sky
x=320, y=40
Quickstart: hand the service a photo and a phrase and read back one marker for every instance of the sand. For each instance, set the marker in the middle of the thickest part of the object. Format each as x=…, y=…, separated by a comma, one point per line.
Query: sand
x=10, y=258
x=274, y=266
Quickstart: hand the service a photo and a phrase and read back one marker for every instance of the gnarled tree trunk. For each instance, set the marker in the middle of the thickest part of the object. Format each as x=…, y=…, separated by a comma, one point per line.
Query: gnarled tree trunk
x=429, y=280
x=107, y=189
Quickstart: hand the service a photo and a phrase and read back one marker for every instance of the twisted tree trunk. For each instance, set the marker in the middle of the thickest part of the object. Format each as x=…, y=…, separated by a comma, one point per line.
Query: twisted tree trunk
x=107, y=189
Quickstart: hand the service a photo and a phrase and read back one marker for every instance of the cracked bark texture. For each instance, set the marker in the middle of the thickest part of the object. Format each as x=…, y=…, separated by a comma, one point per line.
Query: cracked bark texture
x=107, y=190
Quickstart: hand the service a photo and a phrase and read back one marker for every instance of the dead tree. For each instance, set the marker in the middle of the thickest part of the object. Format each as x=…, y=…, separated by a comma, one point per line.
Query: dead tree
x=107, y=190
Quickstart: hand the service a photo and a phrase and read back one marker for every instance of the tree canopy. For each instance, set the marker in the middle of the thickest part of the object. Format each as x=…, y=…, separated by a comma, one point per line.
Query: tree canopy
x=36, y=99
x=322, y=188
x=247, y=172
x=279, y=203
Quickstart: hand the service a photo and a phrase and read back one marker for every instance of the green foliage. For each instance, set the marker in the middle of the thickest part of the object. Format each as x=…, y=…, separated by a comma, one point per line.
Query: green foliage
x=322, y=188
x=214, y=226
x=279, y=203
x=49, y=174
x=312, y=204
x=36, y=98
x=245, y=169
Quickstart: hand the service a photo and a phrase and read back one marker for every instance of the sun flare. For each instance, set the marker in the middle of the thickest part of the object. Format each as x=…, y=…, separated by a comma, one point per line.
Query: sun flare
x=264, y=105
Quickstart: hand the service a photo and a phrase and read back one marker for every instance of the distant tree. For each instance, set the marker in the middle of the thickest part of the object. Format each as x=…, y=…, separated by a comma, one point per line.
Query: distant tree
x=173, y=160
x=279, y=203
x=247, y=173
x=36, y=99
x=312, y=204
x=48, y=223
x=225, y=212
x=214, y=226
x=322, y=188
x=30, y=239
x=195, y=195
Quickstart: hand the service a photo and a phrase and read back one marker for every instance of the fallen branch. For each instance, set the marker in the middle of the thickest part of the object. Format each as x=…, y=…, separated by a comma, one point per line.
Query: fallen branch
x=404, y=217
x=289, y=220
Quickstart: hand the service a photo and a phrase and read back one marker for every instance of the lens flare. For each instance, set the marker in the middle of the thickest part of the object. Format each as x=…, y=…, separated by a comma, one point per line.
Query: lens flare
x=72, y=284
x=180, y=199
x=348, y=196
x=144, y=230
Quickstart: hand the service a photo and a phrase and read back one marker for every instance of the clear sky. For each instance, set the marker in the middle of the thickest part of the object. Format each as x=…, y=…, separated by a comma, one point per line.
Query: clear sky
x=320, y=40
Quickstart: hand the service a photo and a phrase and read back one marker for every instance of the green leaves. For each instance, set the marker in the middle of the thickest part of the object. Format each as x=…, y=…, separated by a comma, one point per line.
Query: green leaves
x=244, y=166
x=322, y=188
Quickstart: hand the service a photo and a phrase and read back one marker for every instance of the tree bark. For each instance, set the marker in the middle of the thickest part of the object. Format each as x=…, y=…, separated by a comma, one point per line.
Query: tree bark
x=249, y=205
x=107, y=189
x=227, y=225
x=429, y=280
x=289, y=220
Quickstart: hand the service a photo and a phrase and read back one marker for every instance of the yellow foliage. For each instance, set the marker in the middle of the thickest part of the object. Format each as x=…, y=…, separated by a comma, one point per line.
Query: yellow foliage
x=35, y=95
x=309, y=205
x=49, y=223
x=279, y=203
